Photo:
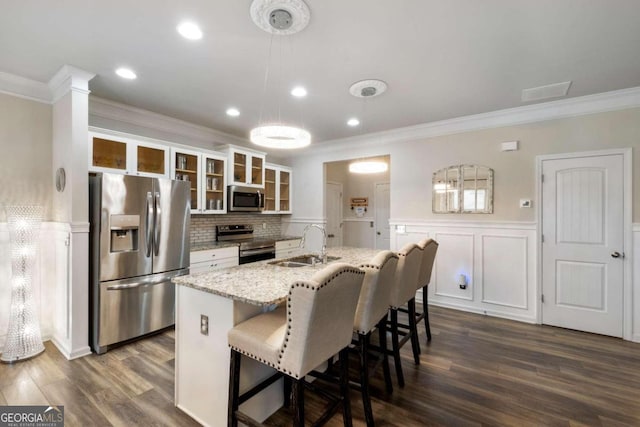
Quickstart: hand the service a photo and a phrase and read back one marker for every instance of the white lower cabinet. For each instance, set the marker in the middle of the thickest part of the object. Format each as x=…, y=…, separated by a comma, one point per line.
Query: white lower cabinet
x=213, y=259
x=288, y=248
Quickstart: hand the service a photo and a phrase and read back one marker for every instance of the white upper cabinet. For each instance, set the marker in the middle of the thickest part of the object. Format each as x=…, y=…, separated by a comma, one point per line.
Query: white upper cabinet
x=277, y=189
x=122, y=154
x=245, y=167
x=206, y=173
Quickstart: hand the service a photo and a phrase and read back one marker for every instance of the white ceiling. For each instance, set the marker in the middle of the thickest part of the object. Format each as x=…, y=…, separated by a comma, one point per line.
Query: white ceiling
x=441, y=58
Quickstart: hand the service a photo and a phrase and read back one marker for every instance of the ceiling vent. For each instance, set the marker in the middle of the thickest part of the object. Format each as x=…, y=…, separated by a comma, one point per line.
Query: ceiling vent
x=555, y=90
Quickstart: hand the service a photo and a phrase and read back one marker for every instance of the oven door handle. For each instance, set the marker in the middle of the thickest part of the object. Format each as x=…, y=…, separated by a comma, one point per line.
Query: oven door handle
x=251, y=252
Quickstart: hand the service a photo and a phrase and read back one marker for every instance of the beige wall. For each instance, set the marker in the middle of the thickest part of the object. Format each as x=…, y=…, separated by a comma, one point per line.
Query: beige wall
x=514, y=171
x=25, y=153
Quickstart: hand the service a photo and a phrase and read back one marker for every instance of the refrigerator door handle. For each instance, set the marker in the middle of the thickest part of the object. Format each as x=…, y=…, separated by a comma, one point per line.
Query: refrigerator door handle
x=148, y=221
x=156, y=225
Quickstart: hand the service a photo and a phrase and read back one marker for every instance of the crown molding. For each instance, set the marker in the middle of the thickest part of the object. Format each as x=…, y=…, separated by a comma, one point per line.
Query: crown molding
x=565, y=108
x=69, y=78
x=112, y=110
x=23, y=87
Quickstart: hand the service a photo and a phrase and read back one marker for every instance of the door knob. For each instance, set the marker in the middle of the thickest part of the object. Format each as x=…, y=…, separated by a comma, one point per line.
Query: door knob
x=617, y=255
x=330, y=236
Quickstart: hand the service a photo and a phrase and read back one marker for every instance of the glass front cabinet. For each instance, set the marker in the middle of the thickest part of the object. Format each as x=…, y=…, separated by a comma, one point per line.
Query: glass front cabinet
x=245, y=167
x=121, y=154
x=206, y=174
x=277, y=189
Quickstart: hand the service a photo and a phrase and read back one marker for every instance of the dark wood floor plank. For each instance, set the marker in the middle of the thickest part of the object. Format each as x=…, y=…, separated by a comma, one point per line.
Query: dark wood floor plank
x=78, y=409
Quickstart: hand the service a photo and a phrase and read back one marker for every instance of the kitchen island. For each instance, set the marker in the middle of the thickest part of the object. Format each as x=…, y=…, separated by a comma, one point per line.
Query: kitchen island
x=208, y=305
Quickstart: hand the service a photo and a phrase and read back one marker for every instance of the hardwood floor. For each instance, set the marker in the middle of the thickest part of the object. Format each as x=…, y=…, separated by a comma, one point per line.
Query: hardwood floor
x=477, y=371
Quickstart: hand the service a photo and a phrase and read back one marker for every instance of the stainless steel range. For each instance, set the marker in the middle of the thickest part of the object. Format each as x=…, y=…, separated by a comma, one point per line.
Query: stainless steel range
x=251, y=249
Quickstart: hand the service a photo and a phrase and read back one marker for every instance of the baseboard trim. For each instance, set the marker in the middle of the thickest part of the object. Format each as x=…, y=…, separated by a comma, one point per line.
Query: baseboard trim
x=490, y=313
x=635, y=338
x=68, y=354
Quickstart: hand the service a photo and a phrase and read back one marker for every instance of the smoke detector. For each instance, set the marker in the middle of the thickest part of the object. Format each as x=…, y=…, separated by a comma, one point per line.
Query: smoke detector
x=280, y=17
x=368, y=88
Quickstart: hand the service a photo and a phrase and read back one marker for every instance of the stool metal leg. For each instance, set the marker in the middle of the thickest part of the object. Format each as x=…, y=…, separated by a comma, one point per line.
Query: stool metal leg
x=344, y=386
x=363, y=349
x=425, y=310
x=413, y=331
x=298, y=402
x=234, y=388
x=382, y=333
x=287, y=391
x=395, y=342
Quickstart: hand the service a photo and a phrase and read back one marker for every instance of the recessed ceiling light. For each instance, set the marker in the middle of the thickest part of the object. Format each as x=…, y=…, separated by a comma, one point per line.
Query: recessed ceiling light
x=126, y=73
x=353, y=122
x=233, y=112
x=190, y=31
x=299, y=92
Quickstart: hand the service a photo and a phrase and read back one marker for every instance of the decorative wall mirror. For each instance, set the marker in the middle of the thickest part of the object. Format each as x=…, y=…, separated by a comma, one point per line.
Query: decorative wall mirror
x=463, y=189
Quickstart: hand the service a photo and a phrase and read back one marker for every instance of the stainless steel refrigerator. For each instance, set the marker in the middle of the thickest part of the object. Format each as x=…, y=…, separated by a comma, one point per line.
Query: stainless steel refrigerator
x=139, y=240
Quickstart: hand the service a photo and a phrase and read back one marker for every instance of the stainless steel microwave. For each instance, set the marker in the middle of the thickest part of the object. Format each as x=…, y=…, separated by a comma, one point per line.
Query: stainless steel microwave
x=245, y=199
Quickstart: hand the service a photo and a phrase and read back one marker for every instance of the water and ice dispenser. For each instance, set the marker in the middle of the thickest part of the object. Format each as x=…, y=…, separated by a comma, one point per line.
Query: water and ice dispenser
x=125, y=230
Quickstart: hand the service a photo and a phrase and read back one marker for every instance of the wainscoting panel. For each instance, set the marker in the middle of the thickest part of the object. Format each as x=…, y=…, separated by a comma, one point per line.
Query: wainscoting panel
x=454, y=258
x=504, y=270
x=498, y=260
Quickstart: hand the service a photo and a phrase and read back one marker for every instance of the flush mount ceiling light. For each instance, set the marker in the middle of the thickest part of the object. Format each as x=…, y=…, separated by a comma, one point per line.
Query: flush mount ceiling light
x=190, y=31
x=126, y=73
x=368, y=166
x=368, y=88
x=353, y=122
x=280, y=136
x=281, y=17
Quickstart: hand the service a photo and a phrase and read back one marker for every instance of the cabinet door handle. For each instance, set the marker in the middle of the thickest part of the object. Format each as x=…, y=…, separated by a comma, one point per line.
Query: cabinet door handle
x=617, y=254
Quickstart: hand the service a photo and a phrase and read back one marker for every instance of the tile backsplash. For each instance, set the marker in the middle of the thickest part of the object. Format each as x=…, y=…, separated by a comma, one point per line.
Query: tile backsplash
x=203, y=227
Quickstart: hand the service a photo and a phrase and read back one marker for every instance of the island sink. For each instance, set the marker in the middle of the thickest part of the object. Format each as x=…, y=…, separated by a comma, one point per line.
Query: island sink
x=302, y=261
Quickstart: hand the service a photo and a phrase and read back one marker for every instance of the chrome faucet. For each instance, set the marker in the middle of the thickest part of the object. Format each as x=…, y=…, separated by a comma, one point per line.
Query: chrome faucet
x=323, y=252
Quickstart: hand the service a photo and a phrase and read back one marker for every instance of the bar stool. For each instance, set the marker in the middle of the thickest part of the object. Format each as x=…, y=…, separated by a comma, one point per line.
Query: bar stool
x=404, y=292
x=373, y=306
x=315, y=324
x=429, y=250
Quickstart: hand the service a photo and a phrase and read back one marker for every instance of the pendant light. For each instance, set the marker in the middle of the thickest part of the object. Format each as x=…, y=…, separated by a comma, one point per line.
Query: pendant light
x=279, y=18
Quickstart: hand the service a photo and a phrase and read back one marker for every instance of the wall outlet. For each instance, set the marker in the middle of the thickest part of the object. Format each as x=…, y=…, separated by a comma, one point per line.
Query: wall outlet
x=204, y=324
x=264, y=225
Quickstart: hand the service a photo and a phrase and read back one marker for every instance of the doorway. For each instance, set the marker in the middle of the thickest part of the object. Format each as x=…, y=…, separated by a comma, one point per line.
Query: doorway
x=585, y=212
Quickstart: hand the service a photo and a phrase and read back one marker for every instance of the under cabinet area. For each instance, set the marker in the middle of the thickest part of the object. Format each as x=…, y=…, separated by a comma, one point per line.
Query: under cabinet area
x=213, y=259
x=121, y=154
x=288, y=248
x=206, y=173
x=245, y=167
x=277, y=189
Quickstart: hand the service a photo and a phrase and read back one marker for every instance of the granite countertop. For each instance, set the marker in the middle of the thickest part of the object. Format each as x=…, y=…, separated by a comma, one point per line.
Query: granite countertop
x=212, y=245
x=261, y=283
x=218, y=245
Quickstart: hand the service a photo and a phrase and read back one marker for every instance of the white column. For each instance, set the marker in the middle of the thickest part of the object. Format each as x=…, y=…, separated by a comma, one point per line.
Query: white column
x=70, y=89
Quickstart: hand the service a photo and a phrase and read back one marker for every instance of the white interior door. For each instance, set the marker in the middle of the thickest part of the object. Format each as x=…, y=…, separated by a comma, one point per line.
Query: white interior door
x=334, y=214
x=583, y=241
x=382, y=216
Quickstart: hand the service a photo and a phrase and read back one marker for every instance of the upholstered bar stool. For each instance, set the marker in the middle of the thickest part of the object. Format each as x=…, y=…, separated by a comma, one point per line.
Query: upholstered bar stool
x=373, y=306
x=429, y=250
x=403, y=292
x=315, y=324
